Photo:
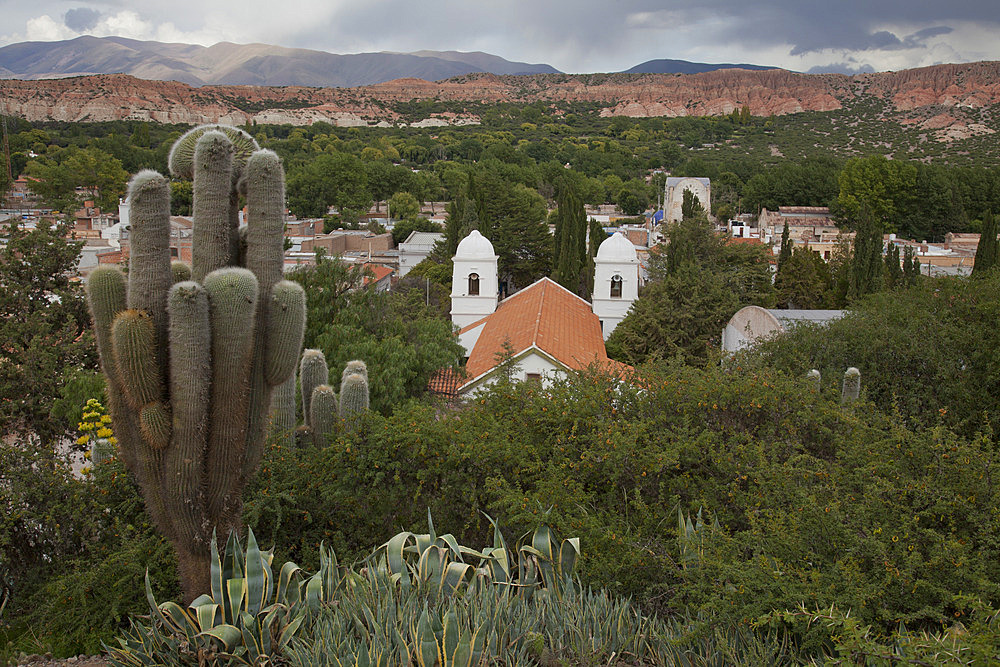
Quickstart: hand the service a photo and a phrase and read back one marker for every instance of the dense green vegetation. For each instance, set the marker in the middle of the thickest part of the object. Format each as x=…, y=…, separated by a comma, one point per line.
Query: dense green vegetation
x=736, y=501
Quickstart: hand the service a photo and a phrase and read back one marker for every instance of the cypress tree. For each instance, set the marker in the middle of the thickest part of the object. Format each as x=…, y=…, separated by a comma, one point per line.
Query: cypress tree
x=986, y=253
x=866, y=264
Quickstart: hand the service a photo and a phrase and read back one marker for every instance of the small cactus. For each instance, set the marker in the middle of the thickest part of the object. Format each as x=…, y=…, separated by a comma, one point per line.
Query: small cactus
x=852, y=386
x=353, y=394
x=814, y=378
x=313, y=372
x=322, y=413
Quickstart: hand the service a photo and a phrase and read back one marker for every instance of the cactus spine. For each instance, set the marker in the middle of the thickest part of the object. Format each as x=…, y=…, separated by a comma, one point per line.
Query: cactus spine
x=191, y=364
x=852, y=386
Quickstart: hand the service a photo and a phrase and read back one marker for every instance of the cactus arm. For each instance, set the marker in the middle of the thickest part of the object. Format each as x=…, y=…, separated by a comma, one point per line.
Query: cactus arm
x=213, y=166
x=133, y=339
x=190, y=378
x=282, y=427
x=286, y=330
x=180, y=271
x=149, y=275
x=106, y=294
x=181, y=159
x=232, y=295
x=265, y=183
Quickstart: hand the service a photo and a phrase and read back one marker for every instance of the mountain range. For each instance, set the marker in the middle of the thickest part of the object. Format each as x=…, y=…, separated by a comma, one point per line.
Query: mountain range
x=266, y=65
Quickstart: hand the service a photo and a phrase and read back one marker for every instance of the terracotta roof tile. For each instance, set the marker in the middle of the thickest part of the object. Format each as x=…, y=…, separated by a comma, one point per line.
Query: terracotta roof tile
x=544, y=315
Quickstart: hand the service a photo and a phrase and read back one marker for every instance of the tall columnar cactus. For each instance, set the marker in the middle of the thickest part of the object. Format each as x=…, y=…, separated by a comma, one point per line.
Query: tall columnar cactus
x=852, y=386
x=282, y=428
x=192, y=355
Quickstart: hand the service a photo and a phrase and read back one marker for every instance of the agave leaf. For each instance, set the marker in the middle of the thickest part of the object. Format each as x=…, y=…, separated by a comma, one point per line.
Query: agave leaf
x=229, y=635
x=543, y=540
x=216, y=572
x=180, y=621
x=255, y=576
x=430, y=527
x=478, y=644
x=235, y=594
x=152, y=602
x=452, y=543
x=314, y=592
x=462, y=657
x=426, y=642
x=568, y=556
x=207, y=613
x=394, y=557
x=286, y=586
x=451, y=635
x=455, y=574
x=251, y=641
x=290, y=629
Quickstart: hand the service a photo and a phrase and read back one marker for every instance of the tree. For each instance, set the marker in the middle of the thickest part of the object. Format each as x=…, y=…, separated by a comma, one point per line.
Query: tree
x=403, y=338
x=697, y=281
x=866, y=260
x=401, y=230
x=877, y=189
x=44, y=328
x=329, y=179
x=92, y=169
x=805, y=281
x=570, y=232
x=986, y=252
x=404, y=206
x=633, y=197
x=690, y=206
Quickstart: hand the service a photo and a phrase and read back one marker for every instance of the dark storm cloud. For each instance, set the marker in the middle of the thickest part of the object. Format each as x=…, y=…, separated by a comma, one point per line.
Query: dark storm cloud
x=81, y=19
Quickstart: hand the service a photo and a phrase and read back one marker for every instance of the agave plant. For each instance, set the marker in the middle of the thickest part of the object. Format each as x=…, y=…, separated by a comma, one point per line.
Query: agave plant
x=249, y=617
x=440, y=563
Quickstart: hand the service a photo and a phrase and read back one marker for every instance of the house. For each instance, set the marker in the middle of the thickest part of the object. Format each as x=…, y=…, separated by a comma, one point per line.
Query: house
x=753, y=323
x=416, y=248
x=543, y=329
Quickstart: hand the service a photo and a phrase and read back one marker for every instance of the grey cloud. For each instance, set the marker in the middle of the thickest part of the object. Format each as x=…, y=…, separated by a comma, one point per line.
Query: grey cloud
x=841, y=68
x=81, y=19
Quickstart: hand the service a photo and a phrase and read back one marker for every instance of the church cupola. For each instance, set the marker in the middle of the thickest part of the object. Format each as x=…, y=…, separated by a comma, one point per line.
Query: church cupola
x=474, y=282
x=616, y=281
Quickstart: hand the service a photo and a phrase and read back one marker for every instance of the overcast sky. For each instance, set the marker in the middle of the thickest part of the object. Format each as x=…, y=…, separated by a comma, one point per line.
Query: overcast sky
x=570, y=35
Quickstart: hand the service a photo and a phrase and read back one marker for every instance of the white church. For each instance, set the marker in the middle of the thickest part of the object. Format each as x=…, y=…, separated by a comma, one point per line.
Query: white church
x=546, y=328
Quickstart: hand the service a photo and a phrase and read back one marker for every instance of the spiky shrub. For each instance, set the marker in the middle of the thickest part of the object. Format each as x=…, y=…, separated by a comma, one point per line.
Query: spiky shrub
x=852, y=386
x=191, y=364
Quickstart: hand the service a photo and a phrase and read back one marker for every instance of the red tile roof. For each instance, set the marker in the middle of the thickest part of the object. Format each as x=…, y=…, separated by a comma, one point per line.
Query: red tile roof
x=445, y=382
x=378, y=270
x=544, y=315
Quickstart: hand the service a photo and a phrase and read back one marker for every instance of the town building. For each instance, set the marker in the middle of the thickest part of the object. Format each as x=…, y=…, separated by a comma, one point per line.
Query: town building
x=674, y=195
x=753, y=323
x=543, y=329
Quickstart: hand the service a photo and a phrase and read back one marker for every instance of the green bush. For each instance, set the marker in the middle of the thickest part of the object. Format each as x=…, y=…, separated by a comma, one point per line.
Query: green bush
x=72, y=551
x=802, y=501
x=928, y=352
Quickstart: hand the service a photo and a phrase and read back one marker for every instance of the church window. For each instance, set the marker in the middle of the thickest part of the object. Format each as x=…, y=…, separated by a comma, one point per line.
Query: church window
x=616, y=287
x=473, y=284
